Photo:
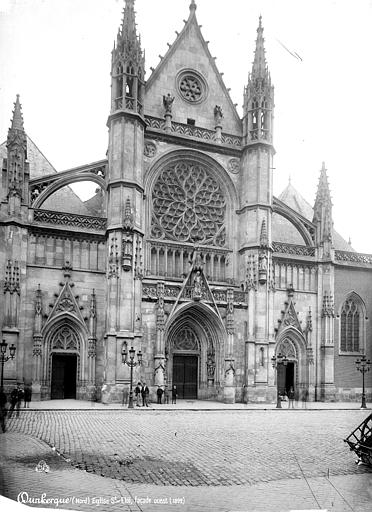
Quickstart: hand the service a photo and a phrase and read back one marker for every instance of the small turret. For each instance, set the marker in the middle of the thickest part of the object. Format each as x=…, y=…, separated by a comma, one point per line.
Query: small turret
x=128, y=65
x=258, y=97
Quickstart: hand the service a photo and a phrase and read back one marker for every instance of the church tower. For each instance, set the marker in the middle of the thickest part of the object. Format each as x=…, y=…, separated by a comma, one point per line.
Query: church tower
x=13, y=235
x=256, y=192
x=124, y=203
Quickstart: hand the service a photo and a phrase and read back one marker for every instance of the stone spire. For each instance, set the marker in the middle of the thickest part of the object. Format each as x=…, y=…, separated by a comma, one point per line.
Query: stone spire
x=323, y=209
x=17, y=121
x=259, y=68
x=17, y=165
x=128, y=65
x=128, y=43
x=323, y=195
x=258, y=97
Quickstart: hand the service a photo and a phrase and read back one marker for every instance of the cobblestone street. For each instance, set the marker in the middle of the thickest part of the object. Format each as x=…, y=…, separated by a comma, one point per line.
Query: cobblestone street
x=212, y=460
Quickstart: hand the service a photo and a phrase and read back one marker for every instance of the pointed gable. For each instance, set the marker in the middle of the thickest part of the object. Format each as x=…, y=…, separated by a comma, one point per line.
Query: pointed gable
x=289, y=315
x=189, y=68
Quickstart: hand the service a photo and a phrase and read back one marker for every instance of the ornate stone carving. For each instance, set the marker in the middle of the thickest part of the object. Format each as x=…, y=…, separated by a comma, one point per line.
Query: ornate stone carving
x=186, y=340
x=230, y=312
x=188, y=205
x=218, y=115
x=328, y=308
x=150, y=149
x=286, y=348
x=168, y=103
x=70, y=219
x=160, y=315
x=191, y=86
x=353, y=257
x=65, y=339
x=298, y=250
x=233, y=165
x=12, y=278
x=113, y=259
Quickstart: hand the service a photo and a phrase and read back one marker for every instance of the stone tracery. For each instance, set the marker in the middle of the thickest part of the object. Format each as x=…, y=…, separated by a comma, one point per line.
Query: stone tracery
x=188, y=205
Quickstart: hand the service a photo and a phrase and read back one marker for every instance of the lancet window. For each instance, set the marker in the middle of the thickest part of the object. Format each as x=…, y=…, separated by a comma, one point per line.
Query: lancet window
x=351, y=326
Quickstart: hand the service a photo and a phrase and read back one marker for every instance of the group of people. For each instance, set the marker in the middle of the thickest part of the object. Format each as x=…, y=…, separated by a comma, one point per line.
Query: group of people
x=160, y=391
x=17, y=395
x=296, y=395
x=142, y=393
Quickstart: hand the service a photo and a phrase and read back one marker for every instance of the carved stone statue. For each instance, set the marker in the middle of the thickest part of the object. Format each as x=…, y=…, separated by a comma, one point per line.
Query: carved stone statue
x=197, y=285
x=218, y=114
x=168, y=102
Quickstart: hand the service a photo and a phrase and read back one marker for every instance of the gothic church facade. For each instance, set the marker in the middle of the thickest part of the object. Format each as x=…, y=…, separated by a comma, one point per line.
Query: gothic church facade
x=183, y=254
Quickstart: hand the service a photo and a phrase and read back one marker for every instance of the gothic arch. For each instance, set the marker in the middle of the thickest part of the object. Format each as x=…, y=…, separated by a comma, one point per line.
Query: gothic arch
x=65, y=181
x=65, y=334
x=195, y=329
x=352, y=315
x=291, y=343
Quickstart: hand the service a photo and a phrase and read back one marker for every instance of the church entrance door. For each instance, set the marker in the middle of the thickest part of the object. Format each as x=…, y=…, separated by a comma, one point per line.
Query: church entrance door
x=185, y=375
x=63, y=376
x=286, y=377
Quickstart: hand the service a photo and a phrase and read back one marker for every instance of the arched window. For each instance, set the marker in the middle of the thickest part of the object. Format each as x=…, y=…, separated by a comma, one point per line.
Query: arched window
x=352, y=325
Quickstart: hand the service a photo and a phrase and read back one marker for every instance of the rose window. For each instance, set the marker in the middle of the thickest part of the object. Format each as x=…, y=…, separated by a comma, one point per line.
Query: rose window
x=191, y=88
x=188, y=205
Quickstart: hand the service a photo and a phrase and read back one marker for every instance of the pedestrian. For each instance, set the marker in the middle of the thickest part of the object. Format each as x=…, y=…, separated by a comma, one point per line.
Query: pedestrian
x=138, y=393
x=27, y=395
x=166, y=395
x=291, y=397
x=174, y=394
x=125, y=396
x=16, y=397
x=145, y=395
x=3, y=410
x=297, y=396
x=159, y=394
x=305, y=396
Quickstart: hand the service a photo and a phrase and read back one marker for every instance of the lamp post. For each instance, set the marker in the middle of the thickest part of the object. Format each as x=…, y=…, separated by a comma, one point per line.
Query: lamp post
x=363, y=365
x=132, y=364
x=277, y=361
x=4, y=358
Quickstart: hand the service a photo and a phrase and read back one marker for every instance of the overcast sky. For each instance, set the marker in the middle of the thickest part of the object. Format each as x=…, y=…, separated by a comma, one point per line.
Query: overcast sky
x=56, y=54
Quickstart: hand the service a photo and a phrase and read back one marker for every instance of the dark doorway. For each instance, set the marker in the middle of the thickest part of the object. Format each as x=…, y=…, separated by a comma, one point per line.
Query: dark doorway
x=63, y=376
x=286, y=377
x=185, y=376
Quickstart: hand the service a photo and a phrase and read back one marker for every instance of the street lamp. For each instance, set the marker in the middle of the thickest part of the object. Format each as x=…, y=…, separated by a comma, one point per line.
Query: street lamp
x=4, y=358
x=277, y=361
x=363, y=365
x=131, y=363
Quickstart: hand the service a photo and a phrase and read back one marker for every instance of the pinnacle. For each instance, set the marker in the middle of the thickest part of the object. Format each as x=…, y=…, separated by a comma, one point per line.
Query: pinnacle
x=259, y=65
x=17, y=121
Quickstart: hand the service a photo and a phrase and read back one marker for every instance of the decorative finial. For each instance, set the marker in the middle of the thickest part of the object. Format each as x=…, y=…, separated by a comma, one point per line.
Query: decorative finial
x=193, y=5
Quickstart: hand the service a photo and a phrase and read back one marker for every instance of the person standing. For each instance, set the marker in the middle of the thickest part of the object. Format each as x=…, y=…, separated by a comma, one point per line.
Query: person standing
x=291, y=397
x=159, y=394
x=138, y=393
x=166, y=395
x=125, y=395
x=16, y=397
x=27, y=395
x=3, y=411
x=145, y=395
x=174, y=394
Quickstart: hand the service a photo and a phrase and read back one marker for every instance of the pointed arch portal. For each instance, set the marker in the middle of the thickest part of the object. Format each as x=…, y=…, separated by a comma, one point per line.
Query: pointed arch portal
x=194, y=344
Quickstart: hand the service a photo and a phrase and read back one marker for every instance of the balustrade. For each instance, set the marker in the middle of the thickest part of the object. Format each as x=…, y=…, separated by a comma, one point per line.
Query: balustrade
x=175, y=261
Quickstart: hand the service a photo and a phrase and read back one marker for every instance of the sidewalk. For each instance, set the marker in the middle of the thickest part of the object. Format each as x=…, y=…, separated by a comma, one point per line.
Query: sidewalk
x=192, y=405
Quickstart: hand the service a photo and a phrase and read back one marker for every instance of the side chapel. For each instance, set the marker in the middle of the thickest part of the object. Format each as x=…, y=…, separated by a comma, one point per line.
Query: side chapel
x=183, y=252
